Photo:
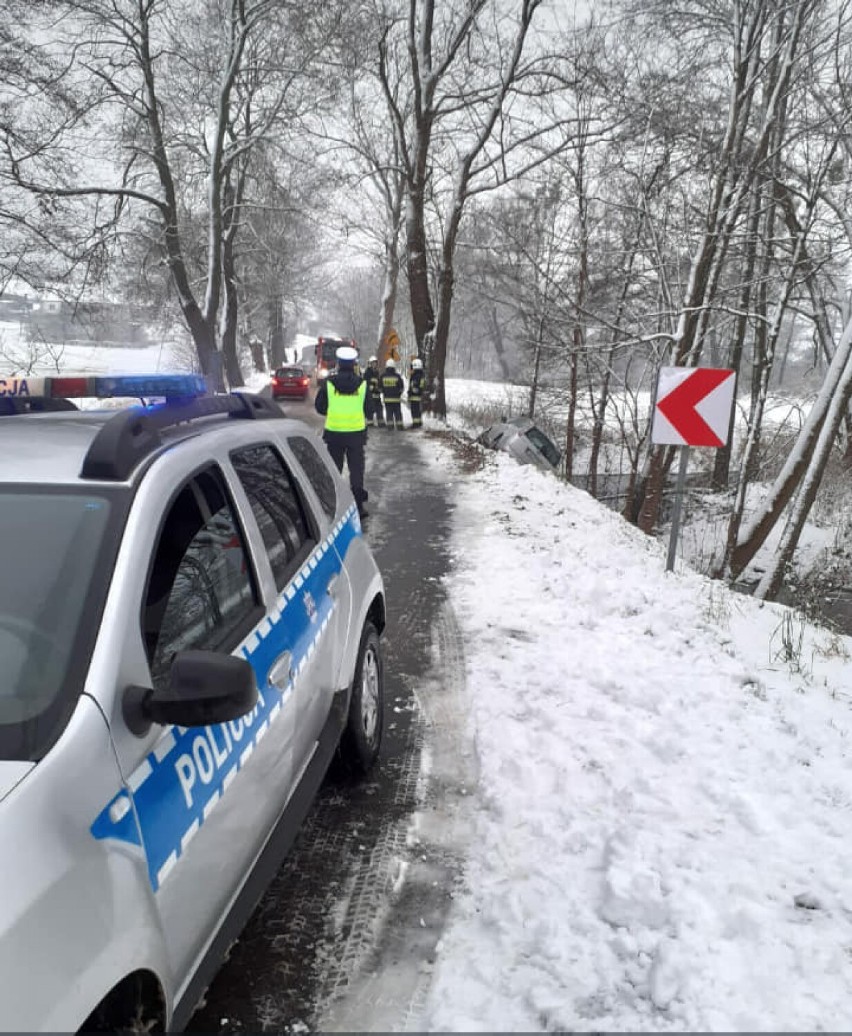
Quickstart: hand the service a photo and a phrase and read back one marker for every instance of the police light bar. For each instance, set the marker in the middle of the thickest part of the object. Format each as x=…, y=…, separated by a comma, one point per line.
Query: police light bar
x=86, y=386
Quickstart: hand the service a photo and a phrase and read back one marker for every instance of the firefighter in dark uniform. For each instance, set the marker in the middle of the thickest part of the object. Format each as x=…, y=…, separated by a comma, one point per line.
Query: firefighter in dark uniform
x=342, y=398
x=393, y=388
x=415, y=392
x=373, y=378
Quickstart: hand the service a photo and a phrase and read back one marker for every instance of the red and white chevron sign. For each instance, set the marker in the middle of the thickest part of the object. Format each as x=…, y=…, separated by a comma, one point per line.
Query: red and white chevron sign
x=693, y=406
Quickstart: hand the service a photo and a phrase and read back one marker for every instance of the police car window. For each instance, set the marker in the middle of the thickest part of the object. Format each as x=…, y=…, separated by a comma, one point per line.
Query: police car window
x=318, y=475
x=55, y=545
x=200, y=592
x=277, y=508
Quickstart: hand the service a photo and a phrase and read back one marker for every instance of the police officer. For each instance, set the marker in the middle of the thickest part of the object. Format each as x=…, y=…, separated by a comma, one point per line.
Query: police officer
x=392, y=389
x=373, y=377
x=342, y=399
x=415, y=392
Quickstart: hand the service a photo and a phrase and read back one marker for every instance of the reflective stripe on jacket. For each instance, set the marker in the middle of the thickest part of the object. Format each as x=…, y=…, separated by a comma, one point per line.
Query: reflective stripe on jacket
x=392, y=387
x=346, y=412
x=416, y=385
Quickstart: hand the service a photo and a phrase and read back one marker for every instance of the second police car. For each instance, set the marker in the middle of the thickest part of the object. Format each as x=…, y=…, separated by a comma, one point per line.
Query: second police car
x=190, y=624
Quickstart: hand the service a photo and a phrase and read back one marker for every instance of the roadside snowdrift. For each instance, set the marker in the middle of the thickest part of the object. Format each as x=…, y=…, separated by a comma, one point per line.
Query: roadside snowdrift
x=665, y=806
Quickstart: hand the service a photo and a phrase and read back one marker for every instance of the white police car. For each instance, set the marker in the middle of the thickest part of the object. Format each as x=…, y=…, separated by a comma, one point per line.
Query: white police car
x=189, y=630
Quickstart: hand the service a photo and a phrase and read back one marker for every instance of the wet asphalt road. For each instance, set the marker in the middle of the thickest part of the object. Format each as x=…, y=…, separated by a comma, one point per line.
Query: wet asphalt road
x=344, y=935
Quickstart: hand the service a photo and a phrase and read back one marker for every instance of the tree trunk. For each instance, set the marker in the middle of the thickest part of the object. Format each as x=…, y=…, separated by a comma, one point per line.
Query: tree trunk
x=497, y=339
x=536, y=368
x=773, y=577
x=233, y=373
x=654, y=484
x=765, y=343
x=388, y=303
x=442, y=335
x=571, y=418
x=204, y=339
x=422, y=312
x=722, y=461
x=392, y=262
x=754, y=536
x=599, y=412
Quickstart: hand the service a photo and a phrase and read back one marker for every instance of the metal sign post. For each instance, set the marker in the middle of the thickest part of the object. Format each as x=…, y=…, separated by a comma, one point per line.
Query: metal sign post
x=680, y=489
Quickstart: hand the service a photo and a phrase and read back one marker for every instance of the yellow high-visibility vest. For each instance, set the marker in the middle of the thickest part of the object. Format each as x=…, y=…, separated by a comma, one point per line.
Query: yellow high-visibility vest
x=346, y=413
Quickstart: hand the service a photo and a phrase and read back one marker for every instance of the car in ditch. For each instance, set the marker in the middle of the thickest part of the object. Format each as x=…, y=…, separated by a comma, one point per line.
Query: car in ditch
x=190, y=633
x=524, y=440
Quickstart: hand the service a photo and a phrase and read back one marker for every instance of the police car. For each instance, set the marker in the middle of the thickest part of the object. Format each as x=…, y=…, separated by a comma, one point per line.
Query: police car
x=190, y=624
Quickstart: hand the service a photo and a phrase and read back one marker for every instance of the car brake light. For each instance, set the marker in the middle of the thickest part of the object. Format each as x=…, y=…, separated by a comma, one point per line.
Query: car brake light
x=72, y=388
x=304, y=381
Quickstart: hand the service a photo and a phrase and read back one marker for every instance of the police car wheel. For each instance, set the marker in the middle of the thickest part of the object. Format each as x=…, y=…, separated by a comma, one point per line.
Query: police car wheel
x=362, y=738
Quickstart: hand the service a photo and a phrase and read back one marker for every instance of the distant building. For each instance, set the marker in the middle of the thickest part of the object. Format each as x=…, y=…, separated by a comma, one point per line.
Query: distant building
x=58, y=322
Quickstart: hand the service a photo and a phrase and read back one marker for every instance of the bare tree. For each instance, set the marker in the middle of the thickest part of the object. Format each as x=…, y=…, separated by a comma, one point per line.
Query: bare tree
x=764, y=49
x=462, y=71
x=182, y=93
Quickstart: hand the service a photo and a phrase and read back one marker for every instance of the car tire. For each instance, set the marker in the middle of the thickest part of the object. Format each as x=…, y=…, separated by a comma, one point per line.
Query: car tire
x=362, y=736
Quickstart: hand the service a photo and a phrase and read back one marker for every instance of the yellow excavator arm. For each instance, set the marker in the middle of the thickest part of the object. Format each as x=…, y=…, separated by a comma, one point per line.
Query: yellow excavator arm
x=389, y=349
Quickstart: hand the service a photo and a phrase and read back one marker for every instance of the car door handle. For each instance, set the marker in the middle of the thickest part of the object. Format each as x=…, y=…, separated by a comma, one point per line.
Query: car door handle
x=281, y=670
x=331, y=589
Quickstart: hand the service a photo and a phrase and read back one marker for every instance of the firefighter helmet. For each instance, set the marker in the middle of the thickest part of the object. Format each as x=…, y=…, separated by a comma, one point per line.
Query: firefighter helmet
x=417, y=363
x=374, y=359
x=391, y=363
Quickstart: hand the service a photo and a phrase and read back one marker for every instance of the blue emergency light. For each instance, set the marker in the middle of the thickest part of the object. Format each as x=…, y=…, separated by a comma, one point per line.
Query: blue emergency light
x=167, y=386
x=88, y=386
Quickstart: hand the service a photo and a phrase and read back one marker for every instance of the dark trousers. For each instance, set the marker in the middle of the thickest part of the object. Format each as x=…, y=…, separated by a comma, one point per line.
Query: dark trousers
x=393, y=410
x=349, y=446
x=416, y=413
x=378, y=411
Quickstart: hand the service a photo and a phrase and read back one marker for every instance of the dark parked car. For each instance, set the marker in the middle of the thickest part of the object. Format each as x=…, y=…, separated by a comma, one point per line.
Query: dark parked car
x=526, y=442
x=290, y=383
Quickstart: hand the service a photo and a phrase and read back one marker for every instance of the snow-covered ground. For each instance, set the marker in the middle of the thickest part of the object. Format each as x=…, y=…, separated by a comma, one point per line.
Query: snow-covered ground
x=19, y=358
x=660, y=831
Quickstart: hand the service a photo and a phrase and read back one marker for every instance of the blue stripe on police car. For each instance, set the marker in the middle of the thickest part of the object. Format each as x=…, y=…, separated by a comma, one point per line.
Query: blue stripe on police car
x=179, y=784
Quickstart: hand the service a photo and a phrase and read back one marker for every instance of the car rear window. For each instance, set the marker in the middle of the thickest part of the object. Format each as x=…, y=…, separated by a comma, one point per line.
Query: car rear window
x=289, y=372
x=544, y=446
x=59, y=558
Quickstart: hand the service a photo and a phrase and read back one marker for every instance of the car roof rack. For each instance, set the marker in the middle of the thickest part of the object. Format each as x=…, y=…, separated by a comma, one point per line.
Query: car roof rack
x=131, y=435
x=34, y=405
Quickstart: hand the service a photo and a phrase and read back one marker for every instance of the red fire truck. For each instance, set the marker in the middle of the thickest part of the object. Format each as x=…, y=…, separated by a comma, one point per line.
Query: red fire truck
x=327, y=346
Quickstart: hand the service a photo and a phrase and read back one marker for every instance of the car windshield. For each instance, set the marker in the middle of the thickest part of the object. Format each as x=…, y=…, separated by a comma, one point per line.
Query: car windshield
x=544, y=446
x=55, y=555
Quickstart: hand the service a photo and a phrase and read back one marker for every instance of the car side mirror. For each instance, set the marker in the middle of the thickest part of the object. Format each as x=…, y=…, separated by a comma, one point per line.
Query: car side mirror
x=205, y=688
